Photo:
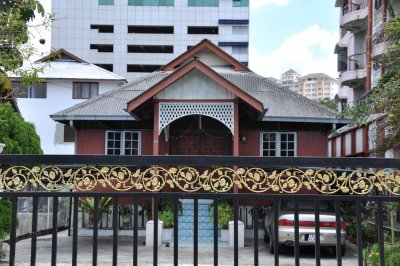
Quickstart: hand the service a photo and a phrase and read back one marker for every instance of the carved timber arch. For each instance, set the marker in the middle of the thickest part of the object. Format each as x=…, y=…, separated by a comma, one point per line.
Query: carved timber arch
x=223, y=112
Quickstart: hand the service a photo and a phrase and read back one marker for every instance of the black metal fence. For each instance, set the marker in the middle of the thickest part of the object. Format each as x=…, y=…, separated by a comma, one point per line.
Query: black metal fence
x=355, y=181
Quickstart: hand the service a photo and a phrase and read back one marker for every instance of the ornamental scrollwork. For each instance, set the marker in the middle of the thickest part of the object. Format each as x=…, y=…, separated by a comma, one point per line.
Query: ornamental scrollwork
x=189, y=179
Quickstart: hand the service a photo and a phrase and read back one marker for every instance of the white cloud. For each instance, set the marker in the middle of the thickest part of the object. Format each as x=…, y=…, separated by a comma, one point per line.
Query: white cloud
x=261, y=3
x=299, y=53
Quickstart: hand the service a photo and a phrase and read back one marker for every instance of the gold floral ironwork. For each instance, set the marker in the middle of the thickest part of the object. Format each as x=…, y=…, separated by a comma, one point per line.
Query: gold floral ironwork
x=188, y=179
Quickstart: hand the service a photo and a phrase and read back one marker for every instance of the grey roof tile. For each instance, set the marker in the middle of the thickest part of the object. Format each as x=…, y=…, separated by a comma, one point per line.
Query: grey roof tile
x=281, y=102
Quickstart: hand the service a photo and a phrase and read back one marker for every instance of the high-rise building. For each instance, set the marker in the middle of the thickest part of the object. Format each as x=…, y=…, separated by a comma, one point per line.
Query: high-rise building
x=315, y=86
x=362, y=41
x=133, y=37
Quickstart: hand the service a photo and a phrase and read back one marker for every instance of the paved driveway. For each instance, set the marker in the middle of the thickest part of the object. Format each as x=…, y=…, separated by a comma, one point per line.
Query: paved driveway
x=145, y=256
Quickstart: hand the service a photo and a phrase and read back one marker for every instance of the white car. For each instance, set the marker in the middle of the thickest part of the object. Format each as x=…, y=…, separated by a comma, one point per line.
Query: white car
x=307, y=237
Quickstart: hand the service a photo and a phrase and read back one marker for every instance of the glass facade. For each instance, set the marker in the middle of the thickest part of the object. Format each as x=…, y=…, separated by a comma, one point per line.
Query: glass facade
x=106, y=2
x=240, y=3
x=150, y=2
x=203, y=3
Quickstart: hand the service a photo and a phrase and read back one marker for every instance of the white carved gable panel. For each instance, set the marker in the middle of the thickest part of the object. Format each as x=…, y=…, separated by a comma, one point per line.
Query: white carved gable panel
x=194, y=86
x=223, y=112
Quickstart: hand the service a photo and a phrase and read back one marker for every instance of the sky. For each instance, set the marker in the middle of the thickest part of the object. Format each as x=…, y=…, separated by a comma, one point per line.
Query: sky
x=284, y=34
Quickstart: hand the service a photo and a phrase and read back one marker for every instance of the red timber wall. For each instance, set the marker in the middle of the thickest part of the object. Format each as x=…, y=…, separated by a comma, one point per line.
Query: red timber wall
x=90, y=141
x=312, y=143
x=252, y=146
x=309, y=143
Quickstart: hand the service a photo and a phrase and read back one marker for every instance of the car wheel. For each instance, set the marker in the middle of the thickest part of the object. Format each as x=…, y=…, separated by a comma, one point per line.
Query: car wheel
x=343, y=250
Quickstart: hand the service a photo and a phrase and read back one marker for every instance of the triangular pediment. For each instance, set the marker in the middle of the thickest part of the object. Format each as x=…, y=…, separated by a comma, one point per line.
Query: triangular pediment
x=203, y=72
x=61, y=55
x=209, y=54
x=195, y=85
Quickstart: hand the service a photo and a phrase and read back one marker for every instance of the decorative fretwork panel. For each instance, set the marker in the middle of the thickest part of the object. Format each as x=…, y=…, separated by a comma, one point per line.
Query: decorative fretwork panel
x=223, y=112
x=189, y=179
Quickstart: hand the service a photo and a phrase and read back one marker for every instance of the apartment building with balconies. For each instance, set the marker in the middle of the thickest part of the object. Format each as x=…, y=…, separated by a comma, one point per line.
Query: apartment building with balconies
x=314, y=86
x=362, y=42
x=135, y=37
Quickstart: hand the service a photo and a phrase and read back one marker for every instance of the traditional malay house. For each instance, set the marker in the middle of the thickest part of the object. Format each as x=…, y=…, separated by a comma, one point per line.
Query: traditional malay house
x=204, y=102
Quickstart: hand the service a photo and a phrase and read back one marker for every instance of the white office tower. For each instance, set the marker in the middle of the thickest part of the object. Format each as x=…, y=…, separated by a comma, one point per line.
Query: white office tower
x=134, y=37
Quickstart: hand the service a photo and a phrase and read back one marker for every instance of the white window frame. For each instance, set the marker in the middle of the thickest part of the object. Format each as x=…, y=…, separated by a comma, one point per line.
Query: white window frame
x=122, y=148
x=277, y=143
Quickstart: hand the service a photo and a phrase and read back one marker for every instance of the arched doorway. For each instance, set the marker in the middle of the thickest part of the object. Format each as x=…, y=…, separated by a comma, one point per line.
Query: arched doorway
x=199, y=135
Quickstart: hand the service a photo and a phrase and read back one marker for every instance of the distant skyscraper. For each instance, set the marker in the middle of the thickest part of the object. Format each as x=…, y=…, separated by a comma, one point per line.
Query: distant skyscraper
x=132, y=37
x=315, y=86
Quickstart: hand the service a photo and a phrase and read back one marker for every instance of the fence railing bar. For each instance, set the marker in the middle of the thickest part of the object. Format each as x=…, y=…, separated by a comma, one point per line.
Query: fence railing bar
x=115, y=225
x=35, y=204
x=75, y=231
x=69, y=215
x=236, y=231
x=359, y=234
x=338, y=234
x=275, y=234
x=317, y=236
x=211, y=196
x=296, y=234
x=155, y=230
x=381, y=238
x=215, y=217
x=139, y=161
x=135, y=231
x=176, y=236
x=95, y=228
x=255, y=228
x=54, y=232
x=13, y=233
x=195, y=232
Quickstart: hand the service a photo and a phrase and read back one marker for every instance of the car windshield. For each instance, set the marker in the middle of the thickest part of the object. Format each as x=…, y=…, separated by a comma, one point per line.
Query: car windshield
x=324, y=206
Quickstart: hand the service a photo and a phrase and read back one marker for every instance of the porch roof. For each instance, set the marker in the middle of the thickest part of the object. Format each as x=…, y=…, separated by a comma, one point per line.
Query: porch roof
x=283, y=104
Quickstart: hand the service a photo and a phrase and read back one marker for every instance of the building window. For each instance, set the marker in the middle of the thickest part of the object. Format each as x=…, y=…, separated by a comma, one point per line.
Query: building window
x=102, y=48
x=151, y=49
x=150, y=2
x=240, y=3
x=123, y=143
x=143, y=68
x=35, y=91
x=69, y=134
x=202, y=30
x=279, y=144
x=106, y=2
x=240, y=50
x=203, y=3
x=85, y=90
x=151, y=29
x=108, y=67
x=103, y=28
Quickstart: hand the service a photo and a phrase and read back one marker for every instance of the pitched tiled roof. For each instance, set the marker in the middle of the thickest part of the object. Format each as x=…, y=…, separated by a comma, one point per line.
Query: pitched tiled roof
x=282, y=104
x=112, y=104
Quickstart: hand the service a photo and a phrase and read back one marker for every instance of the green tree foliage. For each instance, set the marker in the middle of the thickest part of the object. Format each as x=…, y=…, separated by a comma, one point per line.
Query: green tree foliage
x=331, y=104
x=14, y=37
x=19, y=136
x=384, y=99
x=5, y=217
